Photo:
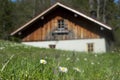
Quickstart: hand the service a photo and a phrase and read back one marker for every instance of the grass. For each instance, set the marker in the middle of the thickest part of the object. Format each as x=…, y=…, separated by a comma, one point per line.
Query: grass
x=25, y=64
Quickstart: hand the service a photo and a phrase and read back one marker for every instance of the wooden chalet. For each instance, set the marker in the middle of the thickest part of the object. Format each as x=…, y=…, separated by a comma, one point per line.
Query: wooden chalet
x=62, y=27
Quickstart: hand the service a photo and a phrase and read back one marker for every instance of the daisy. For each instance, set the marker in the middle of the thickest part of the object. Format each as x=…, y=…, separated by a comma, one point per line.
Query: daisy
x=42, y=61
x=63, y=69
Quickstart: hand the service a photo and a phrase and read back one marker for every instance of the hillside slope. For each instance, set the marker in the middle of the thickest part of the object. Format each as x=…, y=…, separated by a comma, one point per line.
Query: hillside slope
x=20, y=62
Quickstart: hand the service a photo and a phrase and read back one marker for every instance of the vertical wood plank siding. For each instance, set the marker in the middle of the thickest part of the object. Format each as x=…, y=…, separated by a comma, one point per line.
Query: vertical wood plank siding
x=78, y=26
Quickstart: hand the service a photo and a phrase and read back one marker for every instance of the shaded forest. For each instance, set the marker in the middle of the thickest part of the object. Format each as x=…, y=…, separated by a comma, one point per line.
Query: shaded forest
x=14, y=14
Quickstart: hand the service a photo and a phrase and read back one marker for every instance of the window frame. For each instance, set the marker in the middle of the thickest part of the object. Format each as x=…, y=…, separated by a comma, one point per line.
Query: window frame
x=61, y=24
x=90, y=47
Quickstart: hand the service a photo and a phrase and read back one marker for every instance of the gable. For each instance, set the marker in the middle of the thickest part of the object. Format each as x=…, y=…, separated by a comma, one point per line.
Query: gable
x=59, y=10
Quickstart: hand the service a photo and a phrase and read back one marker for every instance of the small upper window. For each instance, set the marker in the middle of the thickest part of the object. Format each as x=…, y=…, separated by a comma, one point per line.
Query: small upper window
x=61, y=24
x=90, y=47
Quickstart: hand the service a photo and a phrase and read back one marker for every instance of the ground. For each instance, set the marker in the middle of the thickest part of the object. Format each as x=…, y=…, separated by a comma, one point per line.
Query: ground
x=20, y=62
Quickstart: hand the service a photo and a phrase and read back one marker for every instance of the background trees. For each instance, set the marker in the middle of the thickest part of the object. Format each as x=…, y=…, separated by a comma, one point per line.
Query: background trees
x=6, y=18
x=15, y=14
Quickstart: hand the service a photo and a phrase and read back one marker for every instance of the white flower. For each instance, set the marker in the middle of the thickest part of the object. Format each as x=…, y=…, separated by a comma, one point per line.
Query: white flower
x=77, y=69
x=63, y=69
x=26, y=73
x=42, y=61
x=68, y=59
x=95, y=55
x=1, y=48
x=113, y=51
x=92, y=63
x=85, y=59
x=77, y=59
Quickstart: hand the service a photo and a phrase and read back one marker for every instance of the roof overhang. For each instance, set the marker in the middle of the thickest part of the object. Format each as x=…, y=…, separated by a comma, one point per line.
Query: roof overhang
x=66, y=7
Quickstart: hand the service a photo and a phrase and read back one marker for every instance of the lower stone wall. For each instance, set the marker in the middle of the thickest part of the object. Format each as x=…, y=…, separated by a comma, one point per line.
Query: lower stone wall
x=99, y=45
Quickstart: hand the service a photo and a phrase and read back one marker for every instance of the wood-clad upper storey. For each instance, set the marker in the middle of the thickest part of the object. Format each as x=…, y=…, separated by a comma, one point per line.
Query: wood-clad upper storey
x=61, y=24
x=72, y=27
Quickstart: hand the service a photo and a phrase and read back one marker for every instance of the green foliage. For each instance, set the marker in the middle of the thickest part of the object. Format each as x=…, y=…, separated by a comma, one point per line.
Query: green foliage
x=25, y=65
x=14, y=14
x=14, y=39
x=6, y=17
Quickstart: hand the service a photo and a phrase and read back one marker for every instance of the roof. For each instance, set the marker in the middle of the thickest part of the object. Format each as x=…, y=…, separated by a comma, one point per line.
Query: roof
x=66, y=7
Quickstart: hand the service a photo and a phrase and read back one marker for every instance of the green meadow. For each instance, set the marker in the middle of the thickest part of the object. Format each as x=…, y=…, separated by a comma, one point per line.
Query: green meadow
x=20, y=62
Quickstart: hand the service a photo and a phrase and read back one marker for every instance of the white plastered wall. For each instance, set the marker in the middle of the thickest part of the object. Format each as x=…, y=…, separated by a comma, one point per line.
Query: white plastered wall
x=72, y=45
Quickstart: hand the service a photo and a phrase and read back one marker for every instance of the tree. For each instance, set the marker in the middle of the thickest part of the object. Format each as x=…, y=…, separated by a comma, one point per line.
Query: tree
x=15, y=14
x=6, y=17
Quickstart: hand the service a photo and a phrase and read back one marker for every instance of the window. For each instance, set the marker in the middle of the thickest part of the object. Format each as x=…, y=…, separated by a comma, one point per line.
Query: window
x=90, y=47
x=52, y=46
x=61, y=32
x=61, y=24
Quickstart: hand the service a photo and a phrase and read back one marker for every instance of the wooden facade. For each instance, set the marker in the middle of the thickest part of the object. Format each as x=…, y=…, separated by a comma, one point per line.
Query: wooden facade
x=76, y=27
x=61, y=24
